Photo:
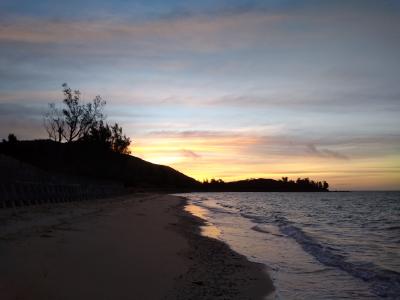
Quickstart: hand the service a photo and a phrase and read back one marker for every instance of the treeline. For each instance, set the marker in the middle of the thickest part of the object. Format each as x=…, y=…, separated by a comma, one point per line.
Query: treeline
x=266, y=185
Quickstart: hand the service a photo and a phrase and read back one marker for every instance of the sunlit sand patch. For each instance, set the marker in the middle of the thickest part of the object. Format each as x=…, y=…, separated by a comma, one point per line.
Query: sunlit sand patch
x=208, y=229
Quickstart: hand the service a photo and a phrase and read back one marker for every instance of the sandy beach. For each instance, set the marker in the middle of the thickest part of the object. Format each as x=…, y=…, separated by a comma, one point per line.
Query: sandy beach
x=141, y=246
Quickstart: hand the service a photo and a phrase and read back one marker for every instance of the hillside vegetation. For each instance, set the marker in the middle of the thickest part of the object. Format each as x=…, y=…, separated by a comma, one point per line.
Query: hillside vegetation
x=86, y=160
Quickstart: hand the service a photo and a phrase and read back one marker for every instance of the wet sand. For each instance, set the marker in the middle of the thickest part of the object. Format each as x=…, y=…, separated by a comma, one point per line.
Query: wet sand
x=141, y=246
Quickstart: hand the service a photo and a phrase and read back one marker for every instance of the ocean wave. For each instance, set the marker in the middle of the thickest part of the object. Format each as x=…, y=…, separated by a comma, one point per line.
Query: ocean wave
x=392, y=228
x=255, y=218
x=213, y=209
x=355, y=246
x=384, y=283
x=259, y=229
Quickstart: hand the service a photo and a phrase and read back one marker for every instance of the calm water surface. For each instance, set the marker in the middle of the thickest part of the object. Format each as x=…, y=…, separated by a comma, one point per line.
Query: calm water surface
x=315, y=245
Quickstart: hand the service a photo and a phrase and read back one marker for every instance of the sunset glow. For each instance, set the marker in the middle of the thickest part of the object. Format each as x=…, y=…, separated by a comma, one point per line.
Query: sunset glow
x=202, y=157
x=232, y=90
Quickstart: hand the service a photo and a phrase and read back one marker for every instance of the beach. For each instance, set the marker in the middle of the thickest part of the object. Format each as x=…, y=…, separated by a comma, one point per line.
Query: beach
x=139, y=246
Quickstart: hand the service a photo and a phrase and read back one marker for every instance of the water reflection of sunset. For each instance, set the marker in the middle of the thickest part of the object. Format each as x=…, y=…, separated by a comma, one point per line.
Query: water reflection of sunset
x=208, y=229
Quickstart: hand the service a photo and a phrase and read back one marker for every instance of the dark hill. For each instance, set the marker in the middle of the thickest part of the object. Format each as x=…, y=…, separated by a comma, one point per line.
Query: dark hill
x=82, y=160
x=85, y=163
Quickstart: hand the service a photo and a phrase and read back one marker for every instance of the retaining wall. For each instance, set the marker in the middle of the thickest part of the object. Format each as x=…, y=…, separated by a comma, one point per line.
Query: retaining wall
x=20, y=194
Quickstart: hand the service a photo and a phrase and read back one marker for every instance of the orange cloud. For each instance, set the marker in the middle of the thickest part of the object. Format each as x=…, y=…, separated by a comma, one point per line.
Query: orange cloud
x=199, y=33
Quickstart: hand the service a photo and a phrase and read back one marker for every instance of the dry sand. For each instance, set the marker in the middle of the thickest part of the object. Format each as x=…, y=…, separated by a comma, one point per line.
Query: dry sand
x=141, y=246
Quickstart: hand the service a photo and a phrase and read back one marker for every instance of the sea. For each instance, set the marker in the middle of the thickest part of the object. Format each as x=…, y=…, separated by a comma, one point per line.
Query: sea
x=334, y=245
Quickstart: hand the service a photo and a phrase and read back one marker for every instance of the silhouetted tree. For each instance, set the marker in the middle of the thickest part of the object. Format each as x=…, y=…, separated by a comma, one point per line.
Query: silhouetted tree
x=79, y=117
x=325, y=185
x=99, y=135
x=119, y=142
x=54, y=123
x=75, y=119
x=12, y=138
x=108, y=137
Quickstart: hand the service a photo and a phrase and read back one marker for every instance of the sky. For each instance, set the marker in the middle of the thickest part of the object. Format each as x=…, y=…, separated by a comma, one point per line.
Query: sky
x=219, y=89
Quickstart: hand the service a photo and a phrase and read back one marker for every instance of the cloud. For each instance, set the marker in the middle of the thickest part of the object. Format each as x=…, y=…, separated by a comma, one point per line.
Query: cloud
x=193, y=133
x=210, y=141
x=239, y=154
x=21, y=98
x=211, y=73
x=326, y=153
x=283, y=142
x=199, y=33
x=322, y=98
x=24, y=120
x=18, y=110
x=189, y=154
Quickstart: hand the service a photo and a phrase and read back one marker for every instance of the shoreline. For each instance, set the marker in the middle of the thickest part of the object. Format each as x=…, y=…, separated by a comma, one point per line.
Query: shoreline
x=144, y=246
x=217, y=271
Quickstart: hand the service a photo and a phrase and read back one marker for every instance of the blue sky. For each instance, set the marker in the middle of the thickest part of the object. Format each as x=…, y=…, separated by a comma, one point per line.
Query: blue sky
x=270, y=88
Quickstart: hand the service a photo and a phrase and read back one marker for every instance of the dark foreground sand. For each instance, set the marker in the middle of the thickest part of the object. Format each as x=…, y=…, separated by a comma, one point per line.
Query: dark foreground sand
x=142, y=246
